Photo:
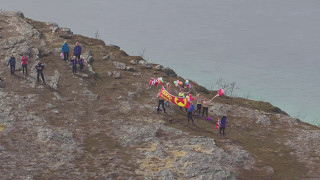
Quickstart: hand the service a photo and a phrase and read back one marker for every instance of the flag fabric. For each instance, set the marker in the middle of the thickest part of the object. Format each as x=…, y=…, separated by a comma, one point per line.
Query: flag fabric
x=183, y=102
x=218, y=124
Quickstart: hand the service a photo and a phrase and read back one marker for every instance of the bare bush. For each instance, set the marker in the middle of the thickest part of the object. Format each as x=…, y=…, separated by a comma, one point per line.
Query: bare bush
x=228, y=87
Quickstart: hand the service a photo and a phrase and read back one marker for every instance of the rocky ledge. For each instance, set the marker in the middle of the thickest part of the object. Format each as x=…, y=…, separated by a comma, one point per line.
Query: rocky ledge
x=101, y=123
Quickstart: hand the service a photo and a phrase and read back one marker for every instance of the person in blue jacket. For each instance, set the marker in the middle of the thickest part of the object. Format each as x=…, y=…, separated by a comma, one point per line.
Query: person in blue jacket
x=77, y=50
x=189, y=112
x=12, y=64
x=65, y=50
x=223, y=123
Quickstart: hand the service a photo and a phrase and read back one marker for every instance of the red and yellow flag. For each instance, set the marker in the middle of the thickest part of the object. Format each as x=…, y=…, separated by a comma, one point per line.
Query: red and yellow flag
x=174, y=100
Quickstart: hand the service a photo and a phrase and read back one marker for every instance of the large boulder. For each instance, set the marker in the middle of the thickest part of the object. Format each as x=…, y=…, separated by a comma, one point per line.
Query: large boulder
x=169, y=72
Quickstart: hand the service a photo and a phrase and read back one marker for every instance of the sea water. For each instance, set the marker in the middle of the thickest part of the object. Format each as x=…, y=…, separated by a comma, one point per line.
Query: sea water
x=269, y=48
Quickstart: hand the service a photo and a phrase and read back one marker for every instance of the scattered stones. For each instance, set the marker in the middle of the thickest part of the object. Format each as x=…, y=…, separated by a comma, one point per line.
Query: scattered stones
x=90, y=59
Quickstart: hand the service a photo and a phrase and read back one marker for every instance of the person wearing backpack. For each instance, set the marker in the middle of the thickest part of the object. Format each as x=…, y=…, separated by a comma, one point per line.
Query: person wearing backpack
x=24, y=62
x=12, y=64
x=65, y=50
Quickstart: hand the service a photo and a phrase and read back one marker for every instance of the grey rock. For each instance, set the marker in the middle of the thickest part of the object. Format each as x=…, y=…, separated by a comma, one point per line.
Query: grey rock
x=148, y=66
x=87, y=54
x=130, y=68
x=134, y=62
x=90, y=59
x=119, y=65
x=109, y=73
x=36, y=51
x=137, y=74
x=131, y=94
x=54, y=80
x=143, y=62
x=263, y=119
x=45, y=134
x=89, y=94
x=49, y=106
x=158, y=67
x=117, y=74
x=66, y=30
x=12, y=13
x=169, y=72
x=106, y=57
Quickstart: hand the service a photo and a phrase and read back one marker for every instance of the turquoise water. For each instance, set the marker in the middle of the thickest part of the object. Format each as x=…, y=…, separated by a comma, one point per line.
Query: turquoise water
x=270, y=48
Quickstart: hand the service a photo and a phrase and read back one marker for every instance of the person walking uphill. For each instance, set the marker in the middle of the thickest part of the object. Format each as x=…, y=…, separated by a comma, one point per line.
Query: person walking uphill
x=160, y=102
x=77, y=50
x=65, y=50
x=24, y=62
x=40, y=68
x=12, y=64
x=189, y=113
x=74, y=62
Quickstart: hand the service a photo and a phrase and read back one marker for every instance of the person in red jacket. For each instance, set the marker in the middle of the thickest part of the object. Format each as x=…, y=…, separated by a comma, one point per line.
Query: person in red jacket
x=24, y=62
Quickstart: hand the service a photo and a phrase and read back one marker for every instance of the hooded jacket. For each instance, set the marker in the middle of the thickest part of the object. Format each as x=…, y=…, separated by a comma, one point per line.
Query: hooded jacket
x=12, y=61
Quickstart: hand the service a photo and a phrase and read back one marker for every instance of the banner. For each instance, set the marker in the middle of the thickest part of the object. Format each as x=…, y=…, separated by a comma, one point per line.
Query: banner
x=174, y=100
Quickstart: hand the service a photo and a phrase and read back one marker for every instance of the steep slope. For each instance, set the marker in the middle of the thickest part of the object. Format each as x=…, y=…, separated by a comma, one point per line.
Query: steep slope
x=101, y=123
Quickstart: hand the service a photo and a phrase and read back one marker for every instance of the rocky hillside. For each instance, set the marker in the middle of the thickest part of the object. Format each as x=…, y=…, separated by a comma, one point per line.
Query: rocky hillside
x=102, y=124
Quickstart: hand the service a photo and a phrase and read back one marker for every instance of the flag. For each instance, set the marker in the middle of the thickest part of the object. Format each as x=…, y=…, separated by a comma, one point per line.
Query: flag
x=183, y=102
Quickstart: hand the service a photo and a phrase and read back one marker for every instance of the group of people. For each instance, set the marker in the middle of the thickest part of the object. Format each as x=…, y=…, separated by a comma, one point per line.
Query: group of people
x=202, y=103
x=77, y=58
x=24, y=62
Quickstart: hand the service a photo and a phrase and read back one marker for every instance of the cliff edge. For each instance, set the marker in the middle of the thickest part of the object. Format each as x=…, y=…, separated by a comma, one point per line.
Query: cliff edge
x=102, y=124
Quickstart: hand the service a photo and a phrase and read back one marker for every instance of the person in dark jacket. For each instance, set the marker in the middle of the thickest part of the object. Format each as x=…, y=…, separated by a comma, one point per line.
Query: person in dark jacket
x=65, y=50
x=223, y=123
x=12, y=64
x=24, y=63
x=77, y=50
x=189, y=112
x=39, y=67
x=81, y=62
x=74, y=63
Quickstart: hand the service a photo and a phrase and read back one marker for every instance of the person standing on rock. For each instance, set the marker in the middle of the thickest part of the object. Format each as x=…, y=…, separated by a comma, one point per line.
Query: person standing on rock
x=65, y=50
x=24, y=62
x=77, y=50
x=199, y=101
x=223, y=123
x=39, y=67
x=81, y=62
x=160, y=102
x=74, y=63
x=189, y=112
x=12, y=64
x=205, y=105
